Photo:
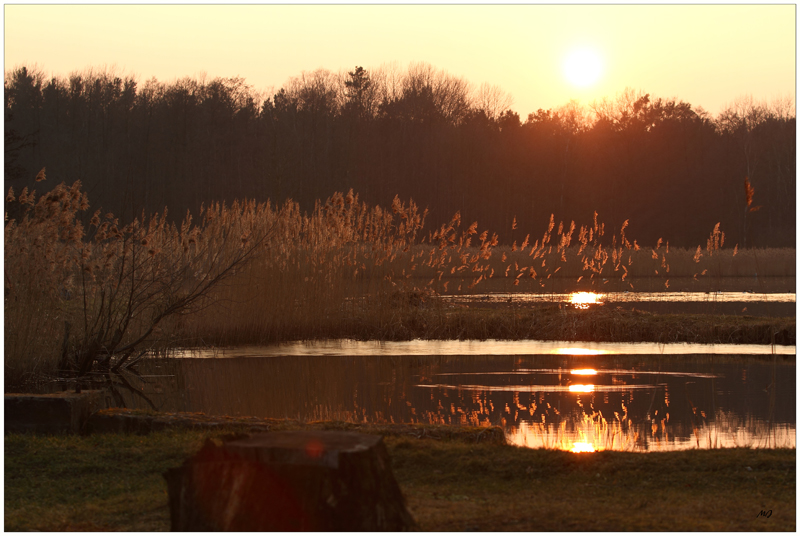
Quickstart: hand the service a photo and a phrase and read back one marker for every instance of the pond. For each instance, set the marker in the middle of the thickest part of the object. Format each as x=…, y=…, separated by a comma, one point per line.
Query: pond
x=573, y=396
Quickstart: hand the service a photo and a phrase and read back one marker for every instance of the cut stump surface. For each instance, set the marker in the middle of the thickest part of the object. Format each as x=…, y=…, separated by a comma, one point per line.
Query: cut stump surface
x=289, y=481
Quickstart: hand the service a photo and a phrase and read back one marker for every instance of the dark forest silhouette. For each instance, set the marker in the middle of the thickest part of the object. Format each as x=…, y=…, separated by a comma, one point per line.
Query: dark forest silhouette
x=672, y=170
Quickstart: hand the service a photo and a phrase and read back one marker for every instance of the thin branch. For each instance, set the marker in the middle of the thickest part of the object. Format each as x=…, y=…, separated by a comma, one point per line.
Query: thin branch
x=200, y=290
x=124, y=383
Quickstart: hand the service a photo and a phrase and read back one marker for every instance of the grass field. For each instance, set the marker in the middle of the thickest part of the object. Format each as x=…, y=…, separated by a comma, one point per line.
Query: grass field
x=453, y=480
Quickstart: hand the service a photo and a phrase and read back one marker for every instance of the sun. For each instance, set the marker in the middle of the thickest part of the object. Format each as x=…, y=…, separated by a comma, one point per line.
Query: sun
x=583, y=67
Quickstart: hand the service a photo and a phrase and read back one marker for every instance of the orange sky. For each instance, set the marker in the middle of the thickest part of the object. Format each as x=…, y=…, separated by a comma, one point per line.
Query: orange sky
x=707, y=55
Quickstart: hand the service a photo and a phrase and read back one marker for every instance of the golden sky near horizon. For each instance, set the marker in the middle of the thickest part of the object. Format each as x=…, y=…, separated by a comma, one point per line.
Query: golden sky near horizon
x=707, y=55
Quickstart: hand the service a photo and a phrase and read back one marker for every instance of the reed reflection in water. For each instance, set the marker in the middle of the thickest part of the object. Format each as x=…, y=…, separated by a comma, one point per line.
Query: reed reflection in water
x=634, y=402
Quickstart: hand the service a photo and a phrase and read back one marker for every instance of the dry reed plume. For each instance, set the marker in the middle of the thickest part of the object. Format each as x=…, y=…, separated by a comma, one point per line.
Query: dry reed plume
x=80, y=301
x=95, y=299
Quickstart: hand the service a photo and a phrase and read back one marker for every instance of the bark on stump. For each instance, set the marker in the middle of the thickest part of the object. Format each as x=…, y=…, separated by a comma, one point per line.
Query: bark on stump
x=288, y=481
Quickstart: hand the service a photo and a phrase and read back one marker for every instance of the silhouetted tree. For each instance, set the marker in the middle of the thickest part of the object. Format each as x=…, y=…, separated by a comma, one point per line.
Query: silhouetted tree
x=417, y=132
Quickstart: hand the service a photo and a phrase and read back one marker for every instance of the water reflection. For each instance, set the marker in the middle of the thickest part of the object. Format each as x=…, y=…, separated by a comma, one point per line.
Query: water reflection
x=575, y=388
x=582, y=300
x=630, y=402
x=724, y=430
x=585, y=298
x=419, y=347
x=580, y=351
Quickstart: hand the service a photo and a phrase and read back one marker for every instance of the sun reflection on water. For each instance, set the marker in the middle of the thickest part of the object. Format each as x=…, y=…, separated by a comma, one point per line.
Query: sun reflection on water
x=630, y=403
x=582, y=300
x=578, y=351
x=593, y=432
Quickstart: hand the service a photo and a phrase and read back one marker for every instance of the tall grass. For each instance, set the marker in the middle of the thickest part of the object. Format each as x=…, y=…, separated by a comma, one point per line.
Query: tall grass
x=337, y=264
x=78, y=295
x=590, y=261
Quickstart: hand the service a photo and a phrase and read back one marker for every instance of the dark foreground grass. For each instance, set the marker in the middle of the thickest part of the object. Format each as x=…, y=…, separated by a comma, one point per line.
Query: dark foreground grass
x=453, y=479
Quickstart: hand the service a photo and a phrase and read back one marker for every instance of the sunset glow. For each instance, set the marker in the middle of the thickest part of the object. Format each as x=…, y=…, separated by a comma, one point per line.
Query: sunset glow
x=597, y=50
x=583, y=67
x=428, y=220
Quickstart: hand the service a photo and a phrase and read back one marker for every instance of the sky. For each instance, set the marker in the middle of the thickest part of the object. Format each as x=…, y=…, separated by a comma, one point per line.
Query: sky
x=707, y=55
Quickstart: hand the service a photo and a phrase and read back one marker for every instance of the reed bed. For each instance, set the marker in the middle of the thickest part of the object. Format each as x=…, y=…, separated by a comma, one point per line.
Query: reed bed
x=682, y=264
x=253, y=273
x=593, y=263
x=77, y=294
x=389, y=290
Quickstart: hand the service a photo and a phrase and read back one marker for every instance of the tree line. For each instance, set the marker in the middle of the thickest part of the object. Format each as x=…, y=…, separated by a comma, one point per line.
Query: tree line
x=670, y=169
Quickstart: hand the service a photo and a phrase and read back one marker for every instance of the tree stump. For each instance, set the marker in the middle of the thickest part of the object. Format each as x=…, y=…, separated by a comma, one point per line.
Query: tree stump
x=288, y=481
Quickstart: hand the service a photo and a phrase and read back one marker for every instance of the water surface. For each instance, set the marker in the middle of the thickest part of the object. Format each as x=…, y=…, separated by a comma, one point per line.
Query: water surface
x=348, y=347
x=626, y=297
x=563, y=399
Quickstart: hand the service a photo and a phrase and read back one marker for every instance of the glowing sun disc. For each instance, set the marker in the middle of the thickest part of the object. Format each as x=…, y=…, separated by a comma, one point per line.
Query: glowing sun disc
x=583, y=67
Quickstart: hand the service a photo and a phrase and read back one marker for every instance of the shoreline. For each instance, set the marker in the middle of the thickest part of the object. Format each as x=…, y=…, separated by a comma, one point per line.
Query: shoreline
x=541, y=322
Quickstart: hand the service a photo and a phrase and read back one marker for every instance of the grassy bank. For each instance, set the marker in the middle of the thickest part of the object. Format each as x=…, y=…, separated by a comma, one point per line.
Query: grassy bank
x=433, y=320
x=453, y=479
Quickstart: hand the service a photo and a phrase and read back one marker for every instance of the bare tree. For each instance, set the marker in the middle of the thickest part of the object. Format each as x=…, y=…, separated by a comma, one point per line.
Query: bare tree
x=117, y=283
x=492, y=100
